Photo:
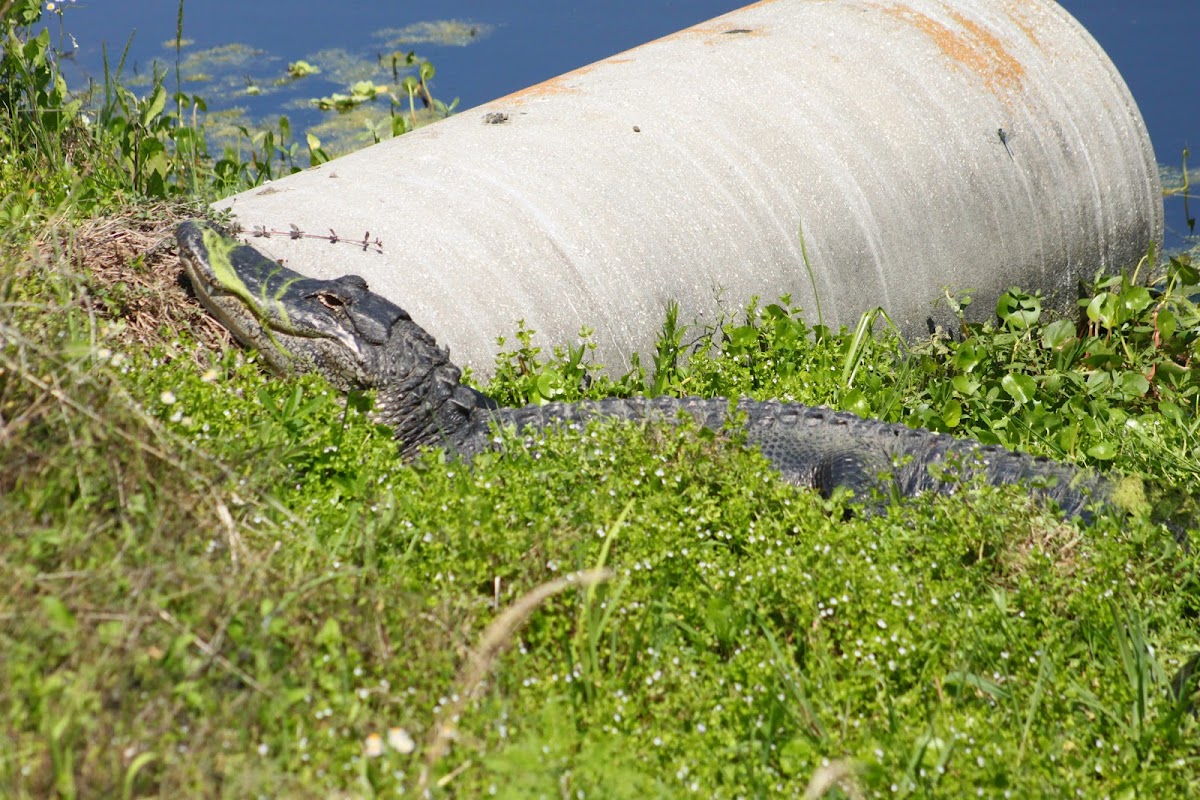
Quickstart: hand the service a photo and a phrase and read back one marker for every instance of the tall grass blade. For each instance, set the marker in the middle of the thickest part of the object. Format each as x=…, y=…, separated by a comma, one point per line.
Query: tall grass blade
x=812, y=278
x=1045, y=674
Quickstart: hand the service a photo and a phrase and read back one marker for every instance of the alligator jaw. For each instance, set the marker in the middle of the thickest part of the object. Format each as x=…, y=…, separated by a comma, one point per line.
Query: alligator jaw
x=238, y=317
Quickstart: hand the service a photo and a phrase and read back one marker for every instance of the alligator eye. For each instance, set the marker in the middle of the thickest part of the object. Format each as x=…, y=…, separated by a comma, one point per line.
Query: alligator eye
x=331, y=301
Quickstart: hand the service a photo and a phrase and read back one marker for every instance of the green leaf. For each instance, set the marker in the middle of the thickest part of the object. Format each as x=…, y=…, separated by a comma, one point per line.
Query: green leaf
x=1057, y=333
x=60, y=88
x=1103, y=309
x=35, y=49
x=27, y=13
x=1166, y=323
x=549, y=384
x=964, y=385
x=1133, y=384
x=1182, y=272
x=952, y=413
x=151, y=147
x=1068, y=437
x=1019, y=387
x=721, y=618
x=856, y=402
x=1099, y=383
x=968, y=356
x=1103, y=451
x=1018, y=309
x=1135, y=300
x=743, y=338
x=154, y=106
x=1171, y=411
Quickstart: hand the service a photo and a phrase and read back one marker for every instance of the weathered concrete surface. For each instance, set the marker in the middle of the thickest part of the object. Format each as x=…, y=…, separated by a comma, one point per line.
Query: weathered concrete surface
x=685, y=169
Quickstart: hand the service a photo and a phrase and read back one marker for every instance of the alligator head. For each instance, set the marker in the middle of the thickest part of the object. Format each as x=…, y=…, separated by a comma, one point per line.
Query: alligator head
x=338, y=328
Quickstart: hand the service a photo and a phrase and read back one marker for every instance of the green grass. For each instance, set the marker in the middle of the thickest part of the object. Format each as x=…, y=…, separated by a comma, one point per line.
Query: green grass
x=224, y=583
x=218, y=583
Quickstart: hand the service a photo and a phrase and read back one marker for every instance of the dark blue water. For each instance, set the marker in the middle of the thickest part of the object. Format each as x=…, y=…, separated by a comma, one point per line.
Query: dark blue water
x=522, y=42
x=525, y=41
x=1154, y=45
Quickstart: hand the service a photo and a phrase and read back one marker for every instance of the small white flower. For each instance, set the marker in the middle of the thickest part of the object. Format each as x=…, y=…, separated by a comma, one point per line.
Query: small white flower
x=399, y=740
x=373, y=746
x=167, y=398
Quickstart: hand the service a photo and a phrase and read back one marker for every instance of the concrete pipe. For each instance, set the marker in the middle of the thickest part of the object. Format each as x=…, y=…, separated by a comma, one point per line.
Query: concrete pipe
x=920, y=146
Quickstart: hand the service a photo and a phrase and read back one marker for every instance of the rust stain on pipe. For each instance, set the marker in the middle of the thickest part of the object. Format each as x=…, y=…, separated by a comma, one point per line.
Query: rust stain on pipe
x=554, y=86
x=973, y=48
x=1020, y=14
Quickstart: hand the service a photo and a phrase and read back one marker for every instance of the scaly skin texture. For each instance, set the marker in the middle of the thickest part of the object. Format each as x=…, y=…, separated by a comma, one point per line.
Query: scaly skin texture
x=360, y=340
x=822, y=449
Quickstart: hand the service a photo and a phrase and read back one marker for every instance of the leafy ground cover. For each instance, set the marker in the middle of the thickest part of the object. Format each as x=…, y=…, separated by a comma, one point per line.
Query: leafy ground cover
x=221, y=583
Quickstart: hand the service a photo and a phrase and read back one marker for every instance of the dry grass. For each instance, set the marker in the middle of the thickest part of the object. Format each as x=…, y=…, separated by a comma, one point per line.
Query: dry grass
x=129, y=263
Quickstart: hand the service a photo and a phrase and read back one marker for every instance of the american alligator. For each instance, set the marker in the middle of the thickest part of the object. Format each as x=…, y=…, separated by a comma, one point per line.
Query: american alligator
x=360, y=340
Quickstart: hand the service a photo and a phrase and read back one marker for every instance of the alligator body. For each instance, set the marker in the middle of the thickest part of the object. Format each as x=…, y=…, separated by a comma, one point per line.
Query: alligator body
x=360, y=340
